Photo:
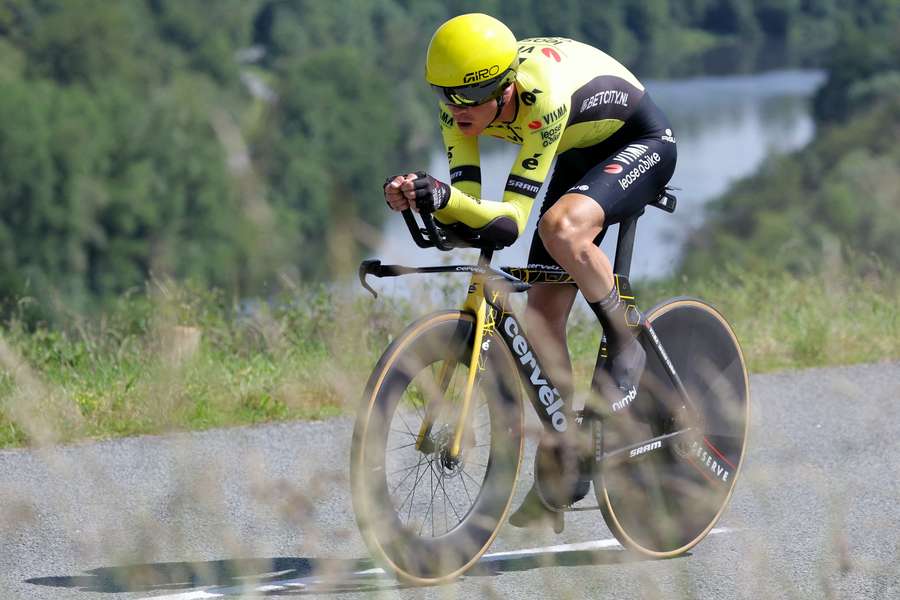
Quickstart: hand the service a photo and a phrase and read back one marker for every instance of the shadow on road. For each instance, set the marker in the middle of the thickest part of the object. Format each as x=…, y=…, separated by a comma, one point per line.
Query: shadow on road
x=501, y=563
x=154, y=577
x=299, y=576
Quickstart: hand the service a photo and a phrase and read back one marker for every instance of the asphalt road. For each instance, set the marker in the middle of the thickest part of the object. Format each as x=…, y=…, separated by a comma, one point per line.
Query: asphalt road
x=816, y=514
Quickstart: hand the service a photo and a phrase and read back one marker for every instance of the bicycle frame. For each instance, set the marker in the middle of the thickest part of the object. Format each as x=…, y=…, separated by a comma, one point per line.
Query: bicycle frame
x=495, y=320
x=487, y=301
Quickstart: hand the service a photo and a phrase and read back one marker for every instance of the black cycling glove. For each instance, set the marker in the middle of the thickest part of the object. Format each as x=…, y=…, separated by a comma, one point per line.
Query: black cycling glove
x=431, y=194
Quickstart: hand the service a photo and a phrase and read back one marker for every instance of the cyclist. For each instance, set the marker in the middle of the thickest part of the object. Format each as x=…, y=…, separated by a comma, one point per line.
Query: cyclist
x=614, y=149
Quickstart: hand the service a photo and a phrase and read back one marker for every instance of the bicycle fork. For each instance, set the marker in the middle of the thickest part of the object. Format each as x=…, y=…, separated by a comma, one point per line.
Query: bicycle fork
x=475, y=304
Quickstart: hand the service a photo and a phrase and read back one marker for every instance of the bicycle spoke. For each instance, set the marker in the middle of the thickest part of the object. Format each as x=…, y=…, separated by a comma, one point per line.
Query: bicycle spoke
x=397, y=487
x=462, y=480
x=410, y=468
x=399, y=414
x=475, y=481
x=403, y=432
x=412, y=490
x=412, y=493
x=446, y=527
x=402, y=447
x=430, y=504
x=437, y=485
x=444, y=489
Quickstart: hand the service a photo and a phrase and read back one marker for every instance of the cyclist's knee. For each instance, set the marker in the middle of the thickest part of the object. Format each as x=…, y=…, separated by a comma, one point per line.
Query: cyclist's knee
x=572, y=221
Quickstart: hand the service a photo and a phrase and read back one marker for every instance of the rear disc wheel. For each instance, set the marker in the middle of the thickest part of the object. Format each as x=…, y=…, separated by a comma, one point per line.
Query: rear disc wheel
x=664, y=502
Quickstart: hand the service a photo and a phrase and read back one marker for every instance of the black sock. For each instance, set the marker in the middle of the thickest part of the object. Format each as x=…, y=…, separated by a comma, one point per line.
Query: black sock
x=611, y=313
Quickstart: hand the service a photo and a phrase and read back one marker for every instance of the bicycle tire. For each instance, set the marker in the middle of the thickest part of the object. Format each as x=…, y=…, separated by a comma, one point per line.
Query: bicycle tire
x=397, y=546
x=662, y=504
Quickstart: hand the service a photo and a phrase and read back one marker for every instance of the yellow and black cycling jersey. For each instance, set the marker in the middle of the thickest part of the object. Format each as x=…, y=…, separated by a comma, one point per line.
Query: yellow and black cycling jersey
x=568, y=95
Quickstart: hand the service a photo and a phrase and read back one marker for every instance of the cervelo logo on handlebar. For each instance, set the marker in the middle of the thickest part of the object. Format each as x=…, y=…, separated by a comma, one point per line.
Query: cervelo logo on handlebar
x=549, y=397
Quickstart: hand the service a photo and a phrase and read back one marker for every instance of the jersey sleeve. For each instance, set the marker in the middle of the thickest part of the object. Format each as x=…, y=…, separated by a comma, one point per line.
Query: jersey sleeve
x=462, y=156
x=507, y=219
x=465, y=209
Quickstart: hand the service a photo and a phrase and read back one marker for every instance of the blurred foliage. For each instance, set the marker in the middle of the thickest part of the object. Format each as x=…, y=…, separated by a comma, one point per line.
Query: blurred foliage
x=835, y=201
x=181, y=356
x=232, y=142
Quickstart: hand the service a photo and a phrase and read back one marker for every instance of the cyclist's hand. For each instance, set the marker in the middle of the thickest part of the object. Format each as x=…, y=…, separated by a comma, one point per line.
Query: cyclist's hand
x=419, y=191
x=428, y=193
x=393, y=195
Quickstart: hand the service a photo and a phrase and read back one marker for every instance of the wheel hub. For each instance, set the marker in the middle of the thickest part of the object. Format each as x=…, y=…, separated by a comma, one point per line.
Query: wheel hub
x=441, y=445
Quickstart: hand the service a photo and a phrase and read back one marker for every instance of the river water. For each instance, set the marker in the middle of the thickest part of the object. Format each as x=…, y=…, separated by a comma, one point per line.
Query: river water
x=725, y=127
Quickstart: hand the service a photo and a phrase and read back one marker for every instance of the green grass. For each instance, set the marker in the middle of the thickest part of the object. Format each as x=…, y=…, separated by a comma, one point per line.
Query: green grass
x=787, y=322
x=181, y=358
x=184, y=359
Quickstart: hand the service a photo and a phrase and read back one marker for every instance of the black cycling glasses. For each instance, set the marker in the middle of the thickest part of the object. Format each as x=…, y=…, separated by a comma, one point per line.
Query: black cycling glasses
x=476, y=93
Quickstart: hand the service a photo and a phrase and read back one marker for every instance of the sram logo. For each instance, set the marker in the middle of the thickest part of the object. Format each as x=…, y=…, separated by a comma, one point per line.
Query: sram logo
x=550, y=398
x=481, y=74
x=644, y=449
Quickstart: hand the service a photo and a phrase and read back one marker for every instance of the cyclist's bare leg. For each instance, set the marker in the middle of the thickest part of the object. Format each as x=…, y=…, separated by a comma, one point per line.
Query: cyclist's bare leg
x=546, y=315
x=568, y=230
x=548, y=311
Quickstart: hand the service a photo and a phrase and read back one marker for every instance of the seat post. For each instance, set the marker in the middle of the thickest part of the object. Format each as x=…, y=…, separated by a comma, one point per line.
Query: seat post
x=484, y=259
x=625, y=245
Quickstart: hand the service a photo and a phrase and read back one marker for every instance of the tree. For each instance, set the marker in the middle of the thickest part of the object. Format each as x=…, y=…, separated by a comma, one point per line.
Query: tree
x=333, y=142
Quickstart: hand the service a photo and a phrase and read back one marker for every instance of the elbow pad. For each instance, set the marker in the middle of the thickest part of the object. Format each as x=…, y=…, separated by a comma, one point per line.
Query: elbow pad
x=502, y=231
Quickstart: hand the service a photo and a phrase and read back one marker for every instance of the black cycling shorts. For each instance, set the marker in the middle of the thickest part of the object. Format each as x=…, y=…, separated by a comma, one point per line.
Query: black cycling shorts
x=622, y=174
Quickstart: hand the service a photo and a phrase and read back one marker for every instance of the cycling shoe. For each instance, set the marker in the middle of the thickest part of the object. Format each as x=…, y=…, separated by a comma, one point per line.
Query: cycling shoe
x=624, y=369
x=533, y=512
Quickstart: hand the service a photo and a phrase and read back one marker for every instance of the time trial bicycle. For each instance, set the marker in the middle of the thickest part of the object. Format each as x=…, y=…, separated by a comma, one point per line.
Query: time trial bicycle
x=439, y=434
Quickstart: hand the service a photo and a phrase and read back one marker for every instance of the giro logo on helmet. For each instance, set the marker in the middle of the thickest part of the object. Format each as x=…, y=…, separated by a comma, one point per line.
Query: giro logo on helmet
x=476, y=76
x=466, y=41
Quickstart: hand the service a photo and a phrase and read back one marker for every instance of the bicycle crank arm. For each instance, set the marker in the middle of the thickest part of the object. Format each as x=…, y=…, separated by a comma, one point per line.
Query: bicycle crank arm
x=643, y=448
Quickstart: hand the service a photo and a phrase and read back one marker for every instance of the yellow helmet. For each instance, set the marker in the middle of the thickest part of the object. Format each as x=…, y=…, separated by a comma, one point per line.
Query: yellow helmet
x=471, y=59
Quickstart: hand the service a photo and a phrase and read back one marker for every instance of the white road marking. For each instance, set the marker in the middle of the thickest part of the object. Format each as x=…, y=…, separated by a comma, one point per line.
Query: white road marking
x=377, y=576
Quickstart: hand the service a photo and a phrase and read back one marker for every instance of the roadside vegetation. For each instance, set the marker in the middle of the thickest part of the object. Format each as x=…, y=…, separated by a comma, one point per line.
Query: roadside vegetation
x=171, y=357
x=183, y=357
